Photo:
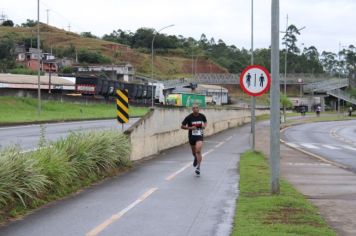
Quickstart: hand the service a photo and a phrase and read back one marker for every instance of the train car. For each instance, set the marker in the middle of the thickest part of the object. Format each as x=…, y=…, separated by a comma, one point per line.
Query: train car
x=94, y=85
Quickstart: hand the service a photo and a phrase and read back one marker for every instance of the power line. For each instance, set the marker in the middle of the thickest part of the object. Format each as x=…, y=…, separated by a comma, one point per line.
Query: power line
x=61, y=16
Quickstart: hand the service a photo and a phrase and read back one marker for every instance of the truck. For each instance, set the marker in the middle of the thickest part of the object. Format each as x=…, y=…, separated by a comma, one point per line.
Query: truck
x=186, y=100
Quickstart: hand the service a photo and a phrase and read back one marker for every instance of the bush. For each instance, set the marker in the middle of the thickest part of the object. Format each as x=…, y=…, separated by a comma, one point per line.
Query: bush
x=24, y=71
x=85, y=56
x=29, y=179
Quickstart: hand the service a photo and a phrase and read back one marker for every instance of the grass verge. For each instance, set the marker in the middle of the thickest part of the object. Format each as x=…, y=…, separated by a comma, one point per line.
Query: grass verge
x=31, y=179
x=19, y=110
x=260, y=213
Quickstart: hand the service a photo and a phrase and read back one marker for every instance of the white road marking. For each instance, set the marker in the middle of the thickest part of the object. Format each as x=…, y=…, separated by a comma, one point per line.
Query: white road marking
x=204, y=154
x=308, y=145
x=117, y=216
x=178, y=171
x=293, y=145
x=350, y=148
x=307, y=164
x=227, y=139
x=170, y=177
x=330, y=147
x=219, y=144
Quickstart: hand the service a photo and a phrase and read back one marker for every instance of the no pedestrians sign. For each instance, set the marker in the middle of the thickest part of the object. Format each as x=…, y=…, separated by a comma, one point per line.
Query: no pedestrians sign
x=255, y=80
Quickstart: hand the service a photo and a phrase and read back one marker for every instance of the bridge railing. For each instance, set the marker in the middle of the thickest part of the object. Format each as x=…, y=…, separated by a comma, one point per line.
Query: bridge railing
x=326, y=85
x=339, y=93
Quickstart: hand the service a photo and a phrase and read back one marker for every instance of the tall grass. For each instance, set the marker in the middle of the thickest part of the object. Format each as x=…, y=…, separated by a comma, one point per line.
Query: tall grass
x=31, y=179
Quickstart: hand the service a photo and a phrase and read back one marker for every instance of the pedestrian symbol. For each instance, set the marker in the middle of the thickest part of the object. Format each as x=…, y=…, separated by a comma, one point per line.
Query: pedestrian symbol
x=255, y=80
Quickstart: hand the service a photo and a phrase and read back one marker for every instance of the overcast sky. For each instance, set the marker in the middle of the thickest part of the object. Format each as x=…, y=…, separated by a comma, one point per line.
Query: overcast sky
x=329, y=23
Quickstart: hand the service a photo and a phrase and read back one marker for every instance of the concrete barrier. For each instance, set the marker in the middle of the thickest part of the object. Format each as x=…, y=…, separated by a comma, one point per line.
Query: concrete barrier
x=160, y=128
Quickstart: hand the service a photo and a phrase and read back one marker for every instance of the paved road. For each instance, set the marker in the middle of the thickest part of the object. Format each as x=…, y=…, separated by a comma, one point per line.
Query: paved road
x=28, y=136
x=161, y=196
x=336, y=141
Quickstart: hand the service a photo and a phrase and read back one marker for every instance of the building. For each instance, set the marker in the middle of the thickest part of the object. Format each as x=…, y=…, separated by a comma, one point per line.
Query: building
x=123, y=72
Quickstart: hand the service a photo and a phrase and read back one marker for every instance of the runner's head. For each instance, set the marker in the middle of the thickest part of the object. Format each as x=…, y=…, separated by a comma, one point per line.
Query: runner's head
x=195, y=108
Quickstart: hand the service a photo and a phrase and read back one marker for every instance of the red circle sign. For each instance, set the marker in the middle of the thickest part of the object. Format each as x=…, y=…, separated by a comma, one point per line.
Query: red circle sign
x=255, y=80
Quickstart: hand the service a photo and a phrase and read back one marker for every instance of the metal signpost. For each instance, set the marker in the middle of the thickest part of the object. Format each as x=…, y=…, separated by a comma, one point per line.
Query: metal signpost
x=255, y=81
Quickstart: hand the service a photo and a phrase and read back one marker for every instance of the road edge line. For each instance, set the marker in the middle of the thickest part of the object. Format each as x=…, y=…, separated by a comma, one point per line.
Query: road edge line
x=320, y=158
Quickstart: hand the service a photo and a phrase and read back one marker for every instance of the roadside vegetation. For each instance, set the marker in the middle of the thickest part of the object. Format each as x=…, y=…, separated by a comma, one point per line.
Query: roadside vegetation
x=29, y=180
x=19, y=110
x=260, y=213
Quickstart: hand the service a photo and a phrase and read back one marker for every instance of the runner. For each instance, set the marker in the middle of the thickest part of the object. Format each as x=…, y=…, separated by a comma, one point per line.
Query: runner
x=195, y=123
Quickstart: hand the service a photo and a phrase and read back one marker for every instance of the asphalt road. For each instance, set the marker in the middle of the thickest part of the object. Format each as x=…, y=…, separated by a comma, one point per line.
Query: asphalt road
x=335, y=141
x=27, y=137
x=160, y=196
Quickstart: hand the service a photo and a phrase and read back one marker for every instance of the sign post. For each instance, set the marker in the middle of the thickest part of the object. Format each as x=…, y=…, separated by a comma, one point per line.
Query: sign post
x=255, y=81
x=122, y=106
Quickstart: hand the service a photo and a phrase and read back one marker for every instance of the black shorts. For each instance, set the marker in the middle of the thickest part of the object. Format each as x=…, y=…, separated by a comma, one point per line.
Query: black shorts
x=193, y=139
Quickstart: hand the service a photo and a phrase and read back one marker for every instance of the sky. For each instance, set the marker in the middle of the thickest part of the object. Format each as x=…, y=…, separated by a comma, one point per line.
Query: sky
x=329, y=24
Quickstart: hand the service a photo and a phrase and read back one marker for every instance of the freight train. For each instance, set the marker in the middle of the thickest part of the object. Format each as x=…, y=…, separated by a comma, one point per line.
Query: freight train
x=98, y=86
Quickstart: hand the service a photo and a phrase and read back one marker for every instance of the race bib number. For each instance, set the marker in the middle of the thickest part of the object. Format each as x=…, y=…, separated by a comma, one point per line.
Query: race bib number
x=197, y=132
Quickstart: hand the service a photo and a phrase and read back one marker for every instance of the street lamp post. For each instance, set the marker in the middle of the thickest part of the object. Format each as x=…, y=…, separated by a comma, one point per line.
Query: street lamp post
x=39, y=60
x=153, y=39
x=253, y=99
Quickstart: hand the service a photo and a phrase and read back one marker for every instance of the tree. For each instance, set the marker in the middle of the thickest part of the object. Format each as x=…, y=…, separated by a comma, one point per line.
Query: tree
x=8, y=23
x=88, y=35
x=329, y=62
x=290, y=39
x=349, y=55
x=29, y=23
x=7, y=57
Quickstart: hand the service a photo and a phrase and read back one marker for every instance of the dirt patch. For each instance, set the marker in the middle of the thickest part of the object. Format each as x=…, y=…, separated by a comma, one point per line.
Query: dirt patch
x=289, y=215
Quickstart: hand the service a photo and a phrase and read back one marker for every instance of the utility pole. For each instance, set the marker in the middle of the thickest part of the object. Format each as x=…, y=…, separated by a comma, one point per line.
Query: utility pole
x=338, y=98
x=39, y=59
x=47, y=16
x=285, y=63
x=275, y=104
x=253, y=99
x=68, y=27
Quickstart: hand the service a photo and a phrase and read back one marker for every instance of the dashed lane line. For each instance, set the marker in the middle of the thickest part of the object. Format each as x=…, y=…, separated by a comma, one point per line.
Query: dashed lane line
x=117, y=216
x=170, y=177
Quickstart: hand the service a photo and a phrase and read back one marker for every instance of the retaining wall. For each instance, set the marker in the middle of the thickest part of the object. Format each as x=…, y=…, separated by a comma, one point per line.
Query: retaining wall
x=160, y=128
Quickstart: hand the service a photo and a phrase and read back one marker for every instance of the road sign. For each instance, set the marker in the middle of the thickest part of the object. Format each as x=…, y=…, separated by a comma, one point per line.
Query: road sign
x=122, y=105
x=255, y=80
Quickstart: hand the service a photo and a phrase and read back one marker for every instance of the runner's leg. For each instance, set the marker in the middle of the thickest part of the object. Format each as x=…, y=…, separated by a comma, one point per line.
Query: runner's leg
x=195, y=157
x=198, y=147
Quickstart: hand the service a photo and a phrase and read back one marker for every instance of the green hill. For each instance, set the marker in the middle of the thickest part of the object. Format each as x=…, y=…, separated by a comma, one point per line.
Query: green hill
x=64, y=43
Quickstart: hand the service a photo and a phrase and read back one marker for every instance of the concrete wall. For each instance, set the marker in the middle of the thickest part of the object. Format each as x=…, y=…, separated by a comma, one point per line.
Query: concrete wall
x=160, y=128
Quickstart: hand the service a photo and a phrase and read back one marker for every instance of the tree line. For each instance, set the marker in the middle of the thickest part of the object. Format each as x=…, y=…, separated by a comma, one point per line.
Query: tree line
x=305, y=60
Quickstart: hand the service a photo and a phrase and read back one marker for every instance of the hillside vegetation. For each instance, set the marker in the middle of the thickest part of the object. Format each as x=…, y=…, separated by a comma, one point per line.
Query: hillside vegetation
x=64, y=43
x=175, y=56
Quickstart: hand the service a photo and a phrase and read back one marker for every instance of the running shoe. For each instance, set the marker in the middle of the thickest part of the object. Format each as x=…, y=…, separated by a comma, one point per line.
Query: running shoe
x=197, y=172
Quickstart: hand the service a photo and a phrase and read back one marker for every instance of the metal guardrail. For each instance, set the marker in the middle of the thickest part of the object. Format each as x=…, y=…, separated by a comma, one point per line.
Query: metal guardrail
x=339, y=93
x=310, y=82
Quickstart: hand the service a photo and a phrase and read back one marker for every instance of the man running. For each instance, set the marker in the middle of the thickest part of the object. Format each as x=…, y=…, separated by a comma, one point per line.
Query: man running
x=195, y=123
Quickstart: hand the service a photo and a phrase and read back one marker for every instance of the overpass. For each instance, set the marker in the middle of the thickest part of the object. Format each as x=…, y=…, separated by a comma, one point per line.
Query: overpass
x=312, y=84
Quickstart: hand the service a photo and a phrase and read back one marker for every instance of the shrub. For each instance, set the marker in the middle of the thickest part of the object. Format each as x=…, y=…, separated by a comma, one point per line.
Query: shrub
x=31, y=179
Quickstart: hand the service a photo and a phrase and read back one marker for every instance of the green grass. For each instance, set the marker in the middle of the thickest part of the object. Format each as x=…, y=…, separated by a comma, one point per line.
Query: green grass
x=18, y=109
x=260, y=213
